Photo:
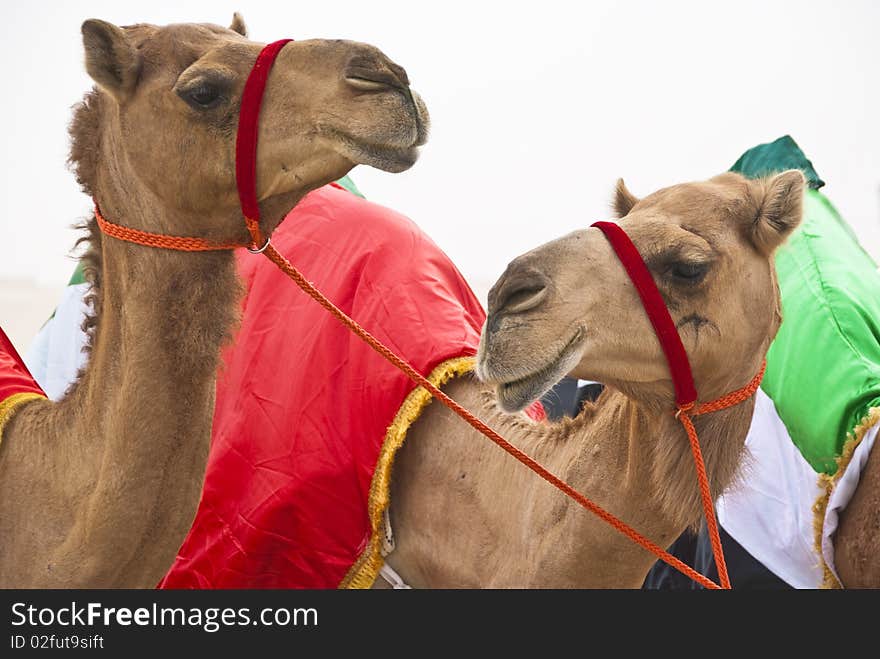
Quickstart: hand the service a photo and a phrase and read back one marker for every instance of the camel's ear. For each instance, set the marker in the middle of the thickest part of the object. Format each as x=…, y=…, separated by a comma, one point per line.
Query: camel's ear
x=238, y=24
x=111, y=60
x=624, y=200
x=781, y=210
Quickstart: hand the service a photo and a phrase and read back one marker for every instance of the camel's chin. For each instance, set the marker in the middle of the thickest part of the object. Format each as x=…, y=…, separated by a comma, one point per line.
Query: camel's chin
x=388, y=159
x=393, y=153
x=516, y=395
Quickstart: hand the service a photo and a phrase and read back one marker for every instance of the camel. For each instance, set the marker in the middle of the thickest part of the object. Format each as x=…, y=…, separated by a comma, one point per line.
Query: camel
x=858, y=536
x=99, y=489
x=466, y=515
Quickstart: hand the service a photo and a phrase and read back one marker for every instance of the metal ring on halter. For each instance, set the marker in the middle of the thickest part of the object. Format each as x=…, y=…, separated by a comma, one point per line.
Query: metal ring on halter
x=685, y=408
x=261, y=249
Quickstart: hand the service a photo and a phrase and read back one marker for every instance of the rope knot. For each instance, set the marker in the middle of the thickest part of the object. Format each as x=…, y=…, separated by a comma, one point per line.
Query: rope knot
x=687, y=407
x=253, y=227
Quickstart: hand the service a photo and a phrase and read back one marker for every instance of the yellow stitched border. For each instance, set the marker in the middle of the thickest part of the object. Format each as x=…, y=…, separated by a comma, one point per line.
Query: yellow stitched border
x=366, y=568
x=10, y=404
x=828, y=483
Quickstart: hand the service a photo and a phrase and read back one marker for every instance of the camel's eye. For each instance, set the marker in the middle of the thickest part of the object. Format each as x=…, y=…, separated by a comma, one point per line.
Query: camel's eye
x=203, y=95
x=689, y=272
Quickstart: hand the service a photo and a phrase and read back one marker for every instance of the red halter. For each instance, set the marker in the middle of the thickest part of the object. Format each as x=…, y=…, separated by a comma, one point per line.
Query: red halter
x=680, y=369
x=245, y=172
x=246, y=140
x=685, y=392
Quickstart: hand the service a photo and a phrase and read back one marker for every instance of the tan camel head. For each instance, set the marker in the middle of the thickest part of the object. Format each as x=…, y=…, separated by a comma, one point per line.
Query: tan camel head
x=568, y=307
x=174, y=95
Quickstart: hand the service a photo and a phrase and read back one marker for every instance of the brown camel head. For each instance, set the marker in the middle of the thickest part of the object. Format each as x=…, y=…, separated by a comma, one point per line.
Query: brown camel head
x=568, y=307
x=169, y=100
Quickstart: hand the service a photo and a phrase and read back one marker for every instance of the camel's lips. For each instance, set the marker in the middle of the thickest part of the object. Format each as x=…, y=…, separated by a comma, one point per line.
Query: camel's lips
x=392, y=158
x=515, y=395
x=387, y=158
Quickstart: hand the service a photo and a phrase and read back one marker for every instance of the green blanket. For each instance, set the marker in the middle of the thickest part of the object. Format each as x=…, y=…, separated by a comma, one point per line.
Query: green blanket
x=823, y=369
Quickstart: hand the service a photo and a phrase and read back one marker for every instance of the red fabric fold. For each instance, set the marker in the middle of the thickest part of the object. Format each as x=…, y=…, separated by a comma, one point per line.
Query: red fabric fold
x=14, y=375
x=303, y=405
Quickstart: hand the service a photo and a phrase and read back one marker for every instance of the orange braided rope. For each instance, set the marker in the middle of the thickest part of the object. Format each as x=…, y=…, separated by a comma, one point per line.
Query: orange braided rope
x=177, y=243
x=684, y=413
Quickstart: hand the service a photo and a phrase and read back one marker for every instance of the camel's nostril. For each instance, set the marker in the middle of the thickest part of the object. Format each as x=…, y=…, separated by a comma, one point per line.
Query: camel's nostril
x=523, y=299
x=519, y=291
x=373, y=79
x=521, y=287
x=515, y=295
x=365, y=85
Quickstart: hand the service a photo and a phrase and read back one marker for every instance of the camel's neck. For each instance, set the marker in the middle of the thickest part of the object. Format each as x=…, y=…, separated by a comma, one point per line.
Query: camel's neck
x=637, y=465
x=146, y=401
x=163, y=314
x=164, y=317
x=124, y=454
x=505, y=527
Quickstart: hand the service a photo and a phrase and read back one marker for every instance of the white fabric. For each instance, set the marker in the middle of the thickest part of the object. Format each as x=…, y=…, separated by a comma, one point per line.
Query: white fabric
x=769, y=510
x=843, y=492
x=387, y=533
x=56, y=354
x=387, y=572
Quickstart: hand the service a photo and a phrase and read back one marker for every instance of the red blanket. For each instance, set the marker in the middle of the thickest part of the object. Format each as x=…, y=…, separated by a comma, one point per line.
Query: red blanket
x=308, y=417
x=16, y=383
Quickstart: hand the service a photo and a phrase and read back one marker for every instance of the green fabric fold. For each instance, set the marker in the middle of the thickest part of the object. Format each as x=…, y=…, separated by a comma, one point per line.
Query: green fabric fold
x=775, y=157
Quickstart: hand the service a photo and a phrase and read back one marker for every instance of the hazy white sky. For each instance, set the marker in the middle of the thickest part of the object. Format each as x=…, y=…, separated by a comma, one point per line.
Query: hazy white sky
x=537, y=107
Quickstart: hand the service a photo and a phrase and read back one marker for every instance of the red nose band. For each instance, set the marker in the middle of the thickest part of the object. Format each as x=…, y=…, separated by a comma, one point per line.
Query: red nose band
x=245, y=172
x=246, y=138
x=652, y=301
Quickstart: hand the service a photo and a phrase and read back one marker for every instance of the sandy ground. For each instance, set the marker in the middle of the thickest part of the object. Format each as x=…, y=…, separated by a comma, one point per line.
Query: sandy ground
x=24, y=306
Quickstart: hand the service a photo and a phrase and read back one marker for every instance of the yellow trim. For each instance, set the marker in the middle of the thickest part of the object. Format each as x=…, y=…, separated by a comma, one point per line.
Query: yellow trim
x=11, y=403
x=828, y=483
x=366, y=568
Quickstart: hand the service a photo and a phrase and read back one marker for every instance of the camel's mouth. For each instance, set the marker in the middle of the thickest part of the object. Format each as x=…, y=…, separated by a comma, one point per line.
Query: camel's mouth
x=387, y=158
x=392, y=147
x=515, y=395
